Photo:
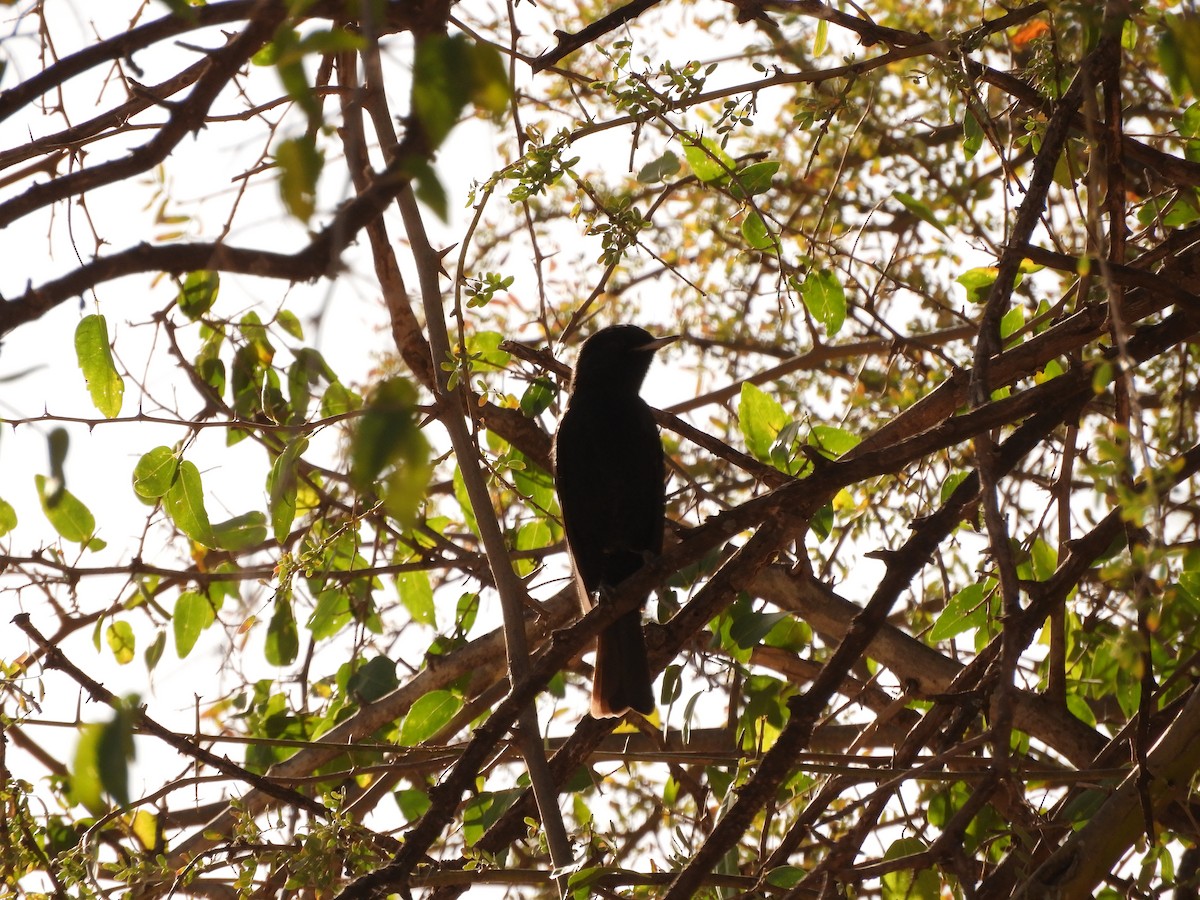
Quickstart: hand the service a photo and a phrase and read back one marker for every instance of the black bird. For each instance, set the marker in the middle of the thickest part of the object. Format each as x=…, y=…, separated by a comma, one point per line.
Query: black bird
x=610, y=475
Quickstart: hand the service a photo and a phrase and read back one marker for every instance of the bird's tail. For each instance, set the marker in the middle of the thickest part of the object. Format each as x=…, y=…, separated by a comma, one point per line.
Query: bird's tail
x=622, y=679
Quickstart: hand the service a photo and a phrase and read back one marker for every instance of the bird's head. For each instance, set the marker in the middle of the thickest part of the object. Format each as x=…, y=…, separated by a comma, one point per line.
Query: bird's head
x=616, y=359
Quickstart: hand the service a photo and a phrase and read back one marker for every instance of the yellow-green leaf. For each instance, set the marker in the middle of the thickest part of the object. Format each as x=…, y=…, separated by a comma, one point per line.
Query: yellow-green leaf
x=706, y=159
x=8, y=517
x=121, y=641
x=104, y=383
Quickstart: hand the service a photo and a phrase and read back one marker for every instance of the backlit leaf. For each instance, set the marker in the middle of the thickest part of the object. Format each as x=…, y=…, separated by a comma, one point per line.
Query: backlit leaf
x=756, y=232
x=416, y=593
x=241, y=532
x=198, y=293
x=429, y=714
x=8, y=518
x=965, y=611
x=281, y=488
x=388, y=444
x=66, y=512
x=920, y=209
x=193, y=613
x=155, y=472
x=706, y=159
x=184, y=503
x=121, y=641
x=283, y=642
x=825, y=299
x=300, y=164
x=760, y=418
x=104, y=383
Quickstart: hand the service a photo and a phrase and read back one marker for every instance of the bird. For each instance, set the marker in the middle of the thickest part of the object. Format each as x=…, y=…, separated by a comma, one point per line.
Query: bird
x=610, y=474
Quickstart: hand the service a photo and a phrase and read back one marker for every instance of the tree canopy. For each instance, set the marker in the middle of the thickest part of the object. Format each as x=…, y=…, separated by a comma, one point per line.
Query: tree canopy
x=290, y=298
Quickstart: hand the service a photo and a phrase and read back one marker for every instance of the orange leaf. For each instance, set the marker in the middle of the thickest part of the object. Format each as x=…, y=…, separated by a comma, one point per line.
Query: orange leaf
x=1028, y=33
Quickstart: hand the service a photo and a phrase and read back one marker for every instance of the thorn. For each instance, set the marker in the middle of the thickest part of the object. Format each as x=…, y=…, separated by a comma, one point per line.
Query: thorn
x=441, y=255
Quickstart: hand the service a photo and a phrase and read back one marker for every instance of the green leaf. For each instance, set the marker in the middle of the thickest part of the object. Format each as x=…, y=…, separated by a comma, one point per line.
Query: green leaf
x=155, y=651
x=820, y=42
x=305, y=373
x=972, y=135
x=1045, y=560
x=920, y=209
x=1181, y=59
x=966, y=610
x=193, y=613
x=66, y=513
x=198, y=293
x=660, y=169
x=952, y=481
x=184, y=503
x=756, y=233
x=114, y=752
x=121, y=641
x=428, y=187
x=281, y=488
x=427, y=716
x=706, y=159
x=8, y=517
x=905, y=884
x=531, y=536
x=416, y=593
x=282, y=642
x=1188, y=126
x=825, y=300
x=388, y=443
x=753, y=179
x=1012, y=322
x=241, y=532
x=372, y=680
x=537, y=397
x=978, y=282
x=332, y=40
x=412, y=802
x=290, y=323
x=300, y=164
x=832, y=440
x=749, y=627
x=154, y=473
x=786, y=876
x=483, y=347
x=338, y=400
x=331, y=615
x=450, y=71
x=85, y=788
x=96, y=361
x=760, y=417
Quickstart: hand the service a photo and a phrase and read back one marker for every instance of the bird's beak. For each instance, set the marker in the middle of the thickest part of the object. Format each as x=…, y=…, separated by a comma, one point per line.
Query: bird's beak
x=659, y=343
